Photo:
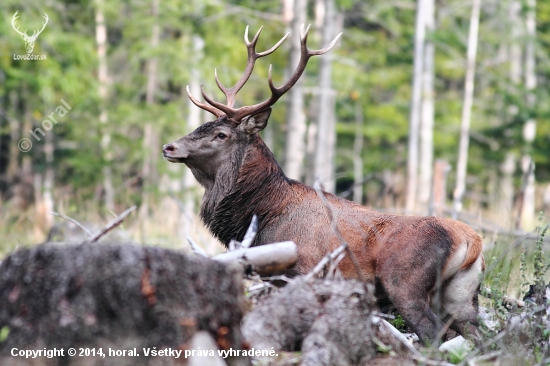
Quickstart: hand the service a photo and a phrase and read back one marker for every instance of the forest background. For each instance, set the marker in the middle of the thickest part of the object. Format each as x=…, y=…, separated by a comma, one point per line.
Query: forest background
x=379, y=119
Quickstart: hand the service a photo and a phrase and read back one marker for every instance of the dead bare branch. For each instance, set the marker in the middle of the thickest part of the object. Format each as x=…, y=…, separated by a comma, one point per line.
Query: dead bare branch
x=196, y=248
x=73, y=221
x=277, y=278
x=250, y=233
x=396, y=334
x=485, y=357
x=265, y=259
x=326, y=260
x=506, y=300
x=334, y=226
x=233, y=244
x=110, y=226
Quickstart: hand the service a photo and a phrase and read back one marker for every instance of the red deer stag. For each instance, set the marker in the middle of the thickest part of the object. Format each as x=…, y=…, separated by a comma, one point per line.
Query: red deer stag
x=414, y=262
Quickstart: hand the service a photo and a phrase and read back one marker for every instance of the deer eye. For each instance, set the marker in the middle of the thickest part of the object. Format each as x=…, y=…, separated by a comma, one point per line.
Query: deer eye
x=221, y=136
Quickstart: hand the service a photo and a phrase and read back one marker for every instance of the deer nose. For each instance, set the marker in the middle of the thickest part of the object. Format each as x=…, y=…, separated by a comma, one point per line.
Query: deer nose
x=169, y=147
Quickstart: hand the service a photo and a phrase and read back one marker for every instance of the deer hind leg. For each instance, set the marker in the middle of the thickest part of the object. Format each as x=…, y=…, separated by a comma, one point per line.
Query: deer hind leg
x=459, y=300
x=420, y=317
x=413, y=306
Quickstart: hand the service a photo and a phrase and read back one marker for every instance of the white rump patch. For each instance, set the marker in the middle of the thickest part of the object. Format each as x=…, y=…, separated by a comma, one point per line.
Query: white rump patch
x=459, y=291
x=455, y=261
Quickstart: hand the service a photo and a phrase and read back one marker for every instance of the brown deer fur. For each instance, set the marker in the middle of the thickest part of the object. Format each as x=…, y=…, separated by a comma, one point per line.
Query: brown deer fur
x=422, y=265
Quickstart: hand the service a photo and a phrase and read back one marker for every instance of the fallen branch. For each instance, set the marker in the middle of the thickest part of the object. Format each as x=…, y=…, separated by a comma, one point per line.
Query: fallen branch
x=265, y=259
x=277, y=278
x=326, y=260
x=396, y=334
x=250, y=233
x=249, y=236
x=415, y=354
x=485, y=357
x=73, y=221
x=196, y=248
x=110, y=226
x=334, y=227
x=506, y=300
x=484, y=345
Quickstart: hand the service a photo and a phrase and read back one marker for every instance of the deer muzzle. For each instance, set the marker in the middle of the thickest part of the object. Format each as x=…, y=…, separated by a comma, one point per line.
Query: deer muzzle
x=174, y=153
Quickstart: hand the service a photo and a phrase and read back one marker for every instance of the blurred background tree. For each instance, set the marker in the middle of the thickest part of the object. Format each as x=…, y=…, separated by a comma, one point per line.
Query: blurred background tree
x=123, y=67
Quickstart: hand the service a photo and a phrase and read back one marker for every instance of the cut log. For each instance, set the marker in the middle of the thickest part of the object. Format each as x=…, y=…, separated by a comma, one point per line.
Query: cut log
x=265, y=259
x=118, y=297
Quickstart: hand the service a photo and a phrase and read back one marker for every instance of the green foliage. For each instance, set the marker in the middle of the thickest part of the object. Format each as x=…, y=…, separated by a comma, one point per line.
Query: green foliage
x=399, y=323
x=372, y=67
x=4, y=332
x=540, y=263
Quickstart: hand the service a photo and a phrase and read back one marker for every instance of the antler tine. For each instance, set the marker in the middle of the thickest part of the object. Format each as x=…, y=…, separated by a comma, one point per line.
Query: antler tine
x=303, y=40
x=272, y=49
x=209, y=108
x=255, y=39
x=44, y=23
x=277, y=93
x=13, y=23
x=225, y=110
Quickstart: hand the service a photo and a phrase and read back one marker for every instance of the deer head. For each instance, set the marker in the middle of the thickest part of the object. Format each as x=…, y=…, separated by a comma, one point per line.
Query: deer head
x=222, y=142
x=29, y=40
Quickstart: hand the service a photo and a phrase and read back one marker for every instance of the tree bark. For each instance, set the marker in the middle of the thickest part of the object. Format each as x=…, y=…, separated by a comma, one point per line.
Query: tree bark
x=427, y=121
x=296, y=118
x=194, y=119
x=505, y=197
x=104, y=81
x=466, y=110
x=15, y=127
x=326, y=133
x=439, y=188
x=150, y=145
x=49, y=180
x=529, y=128
x=414, y=119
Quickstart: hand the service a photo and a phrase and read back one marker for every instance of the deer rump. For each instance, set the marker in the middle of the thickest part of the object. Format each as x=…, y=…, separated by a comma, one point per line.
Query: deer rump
x=423, y=265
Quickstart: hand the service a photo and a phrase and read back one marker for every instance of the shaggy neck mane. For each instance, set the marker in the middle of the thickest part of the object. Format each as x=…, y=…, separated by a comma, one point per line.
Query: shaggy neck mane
x=256, y=185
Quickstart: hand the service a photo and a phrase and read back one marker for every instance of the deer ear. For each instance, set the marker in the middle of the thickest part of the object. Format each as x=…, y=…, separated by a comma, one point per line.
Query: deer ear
x=256, y=122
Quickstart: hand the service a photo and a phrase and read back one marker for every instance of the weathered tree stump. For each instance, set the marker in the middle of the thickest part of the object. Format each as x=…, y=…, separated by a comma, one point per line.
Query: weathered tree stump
x=330, y=321
x=116, y=297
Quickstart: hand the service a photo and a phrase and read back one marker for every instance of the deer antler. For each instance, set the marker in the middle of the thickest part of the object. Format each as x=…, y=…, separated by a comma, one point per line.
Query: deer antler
x=236, y=115
x=13, y=20
x=24, y=34
x=35, y=34
x=230, y=93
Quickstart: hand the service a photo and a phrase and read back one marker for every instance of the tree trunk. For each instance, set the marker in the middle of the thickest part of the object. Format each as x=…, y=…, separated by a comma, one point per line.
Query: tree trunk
x=414, y=119
x=296, y=119
x=48, y=180
x=515, y=48
x=15, y=127
x=529, y=128
x=505, y=205
x=439, y=188
x=326, y=134
x=358, y=154
x=427, y=121
x=104, y=80
x=466, y=110
x=194, y=118
x=505, y=196
x=150, y=144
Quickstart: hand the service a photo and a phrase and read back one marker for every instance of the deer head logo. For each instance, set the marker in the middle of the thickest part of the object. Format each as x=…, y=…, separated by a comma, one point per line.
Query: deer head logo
x=29, y=40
